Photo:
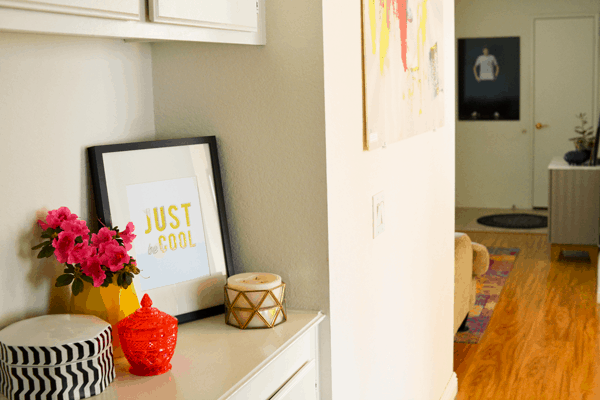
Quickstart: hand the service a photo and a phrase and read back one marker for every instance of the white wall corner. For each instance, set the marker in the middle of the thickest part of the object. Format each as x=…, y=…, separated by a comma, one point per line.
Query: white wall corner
x=451, y=388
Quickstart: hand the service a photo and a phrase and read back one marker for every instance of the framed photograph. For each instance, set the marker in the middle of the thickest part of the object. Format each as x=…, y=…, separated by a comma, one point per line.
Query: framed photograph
x=489, y=79
x=172, y=192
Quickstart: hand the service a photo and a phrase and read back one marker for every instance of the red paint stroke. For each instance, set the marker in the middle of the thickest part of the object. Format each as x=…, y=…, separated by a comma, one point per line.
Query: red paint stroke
x=400, y=12
x=388, y=13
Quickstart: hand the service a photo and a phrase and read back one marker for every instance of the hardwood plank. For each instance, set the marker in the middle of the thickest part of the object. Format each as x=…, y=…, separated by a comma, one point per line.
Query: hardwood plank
x=543, y=341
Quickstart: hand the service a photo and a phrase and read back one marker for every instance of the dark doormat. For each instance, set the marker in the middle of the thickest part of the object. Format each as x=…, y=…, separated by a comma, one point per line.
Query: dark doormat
x=515, y=221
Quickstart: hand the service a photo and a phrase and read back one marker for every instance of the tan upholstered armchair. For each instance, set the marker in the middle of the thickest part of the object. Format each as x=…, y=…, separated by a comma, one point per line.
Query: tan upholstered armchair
x=470, y=261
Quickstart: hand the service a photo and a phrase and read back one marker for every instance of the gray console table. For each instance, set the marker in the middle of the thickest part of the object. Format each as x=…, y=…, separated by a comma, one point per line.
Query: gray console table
x=574, y=208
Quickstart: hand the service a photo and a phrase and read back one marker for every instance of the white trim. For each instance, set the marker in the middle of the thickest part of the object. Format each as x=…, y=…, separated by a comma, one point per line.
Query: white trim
x=451, y=390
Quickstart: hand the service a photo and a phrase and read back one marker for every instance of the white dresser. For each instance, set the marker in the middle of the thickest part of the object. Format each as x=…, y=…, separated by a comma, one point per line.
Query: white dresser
x=216, y=361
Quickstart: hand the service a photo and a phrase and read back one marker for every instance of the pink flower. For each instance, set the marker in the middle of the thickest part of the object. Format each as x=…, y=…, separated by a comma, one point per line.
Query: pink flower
x=56, y=217
x=93, y=268
x=43, y=225
x=78, y=228
x=128, y=236
x=114, y=256
x=63, y=246
x=104, y=235
x=80, y=253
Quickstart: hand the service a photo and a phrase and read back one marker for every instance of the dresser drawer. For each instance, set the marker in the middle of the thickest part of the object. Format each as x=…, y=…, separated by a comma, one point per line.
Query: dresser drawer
x=302, y=386
x=265, y=383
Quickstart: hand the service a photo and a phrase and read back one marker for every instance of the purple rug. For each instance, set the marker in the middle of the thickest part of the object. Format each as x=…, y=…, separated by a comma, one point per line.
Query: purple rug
x=489, y=289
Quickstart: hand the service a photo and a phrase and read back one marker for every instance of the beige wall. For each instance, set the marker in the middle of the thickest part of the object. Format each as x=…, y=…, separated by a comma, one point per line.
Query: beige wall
x=265, y=105
x=392, y=296
x=58, y=95
x=494, y=159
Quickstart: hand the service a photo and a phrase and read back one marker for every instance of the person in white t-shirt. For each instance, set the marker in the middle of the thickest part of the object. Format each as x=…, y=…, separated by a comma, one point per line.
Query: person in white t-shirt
x=486, y=63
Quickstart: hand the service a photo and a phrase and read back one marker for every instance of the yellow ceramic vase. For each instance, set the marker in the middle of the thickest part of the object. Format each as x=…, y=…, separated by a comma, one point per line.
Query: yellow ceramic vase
x=111, y=304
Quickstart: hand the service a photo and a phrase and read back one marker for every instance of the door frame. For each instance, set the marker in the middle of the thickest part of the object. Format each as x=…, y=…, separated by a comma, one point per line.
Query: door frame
x=596, y=17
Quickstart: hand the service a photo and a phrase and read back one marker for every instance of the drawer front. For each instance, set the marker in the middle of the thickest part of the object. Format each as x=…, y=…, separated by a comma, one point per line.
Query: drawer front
x=273, y=376
x=302, y=386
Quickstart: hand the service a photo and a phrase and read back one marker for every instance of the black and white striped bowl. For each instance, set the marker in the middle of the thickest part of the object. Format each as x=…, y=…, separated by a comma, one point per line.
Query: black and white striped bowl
x=56, y=357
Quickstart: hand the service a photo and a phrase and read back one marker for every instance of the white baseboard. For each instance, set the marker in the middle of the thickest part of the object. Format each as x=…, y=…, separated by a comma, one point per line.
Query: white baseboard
x=451, y=388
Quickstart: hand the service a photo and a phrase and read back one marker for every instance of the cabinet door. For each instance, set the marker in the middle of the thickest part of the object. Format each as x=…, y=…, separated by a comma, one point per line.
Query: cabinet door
x=118, y=9
x=241, y=15
x=302, y=386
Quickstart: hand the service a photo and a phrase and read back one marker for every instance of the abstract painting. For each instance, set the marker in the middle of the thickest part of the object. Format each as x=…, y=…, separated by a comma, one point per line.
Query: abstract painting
x=488, y=79
x=402, y=69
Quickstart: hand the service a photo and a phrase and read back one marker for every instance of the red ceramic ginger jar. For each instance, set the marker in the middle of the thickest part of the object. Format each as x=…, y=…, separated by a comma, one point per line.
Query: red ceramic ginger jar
x=148, y=338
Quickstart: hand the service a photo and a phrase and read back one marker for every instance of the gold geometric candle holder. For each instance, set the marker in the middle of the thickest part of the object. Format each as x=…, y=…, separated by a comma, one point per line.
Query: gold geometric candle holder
x=255, y=309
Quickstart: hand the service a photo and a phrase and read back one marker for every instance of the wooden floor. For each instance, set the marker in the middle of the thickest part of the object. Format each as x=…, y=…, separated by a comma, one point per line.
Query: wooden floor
x=543, y=339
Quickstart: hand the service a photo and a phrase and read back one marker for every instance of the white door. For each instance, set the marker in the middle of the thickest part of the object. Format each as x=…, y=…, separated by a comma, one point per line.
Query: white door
x=564, y=81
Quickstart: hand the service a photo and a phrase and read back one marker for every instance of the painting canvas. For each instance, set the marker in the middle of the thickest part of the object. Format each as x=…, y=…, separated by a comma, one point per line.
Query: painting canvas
x=488, y=79
x=403, y=64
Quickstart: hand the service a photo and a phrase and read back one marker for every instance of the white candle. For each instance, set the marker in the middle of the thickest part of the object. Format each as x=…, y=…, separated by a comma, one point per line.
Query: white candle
x=254, y=281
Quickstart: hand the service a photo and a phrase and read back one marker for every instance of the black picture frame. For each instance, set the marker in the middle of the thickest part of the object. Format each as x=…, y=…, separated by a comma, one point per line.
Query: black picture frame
x=493, y=97
x=211, y=287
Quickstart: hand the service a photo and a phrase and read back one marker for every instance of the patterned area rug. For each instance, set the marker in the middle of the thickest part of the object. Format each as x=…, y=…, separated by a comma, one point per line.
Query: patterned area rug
x=489, y=288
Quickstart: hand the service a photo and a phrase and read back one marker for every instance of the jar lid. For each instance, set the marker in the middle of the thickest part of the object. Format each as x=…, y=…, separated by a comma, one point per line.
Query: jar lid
x=54, y=340
x=147, y=318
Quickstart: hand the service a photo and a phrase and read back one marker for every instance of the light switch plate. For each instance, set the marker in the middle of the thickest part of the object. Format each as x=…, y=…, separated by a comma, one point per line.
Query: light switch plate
x=378, y=214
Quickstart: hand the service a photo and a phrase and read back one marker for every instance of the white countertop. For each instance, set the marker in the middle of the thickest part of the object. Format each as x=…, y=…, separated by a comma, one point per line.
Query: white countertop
x=211, y=358
x=559, y=162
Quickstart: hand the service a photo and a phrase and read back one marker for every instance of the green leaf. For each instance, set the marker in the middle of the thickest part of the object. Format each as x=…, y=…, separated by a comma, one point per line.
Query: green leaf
x=87, y=279
x=69, y=269
x=78, y=240
x=128, y=278
x=46, y=252
x=41, y=245
x=108, y=279
x=64, y=280
x=120, y=280
x=77, y=287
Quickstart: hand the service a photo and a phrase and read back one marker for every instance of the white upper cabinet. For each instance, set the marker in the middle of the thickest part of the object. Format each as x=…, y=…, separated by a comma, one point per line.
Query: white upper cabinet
x=241, y=15
x=117, y=9
x=217, y=21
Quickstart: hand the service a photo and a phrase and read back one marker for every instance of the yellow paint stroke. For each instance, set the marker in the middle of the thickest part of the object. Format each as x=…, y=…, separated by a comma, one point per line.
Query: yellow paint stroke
x=373, y=19
x=421, y=38
x=384, y=39
x=422, y=32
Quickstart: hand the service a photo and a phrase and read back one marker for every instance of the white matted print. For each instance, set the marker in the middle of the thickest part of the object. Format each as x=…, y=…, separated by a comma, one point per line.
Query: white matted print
x=170, y=245
x=403, y=59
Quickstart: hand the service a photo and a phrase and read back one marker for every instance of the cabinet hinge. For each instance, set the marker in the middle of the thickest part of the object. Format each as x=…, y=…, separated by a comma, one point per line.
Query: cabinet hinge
x=257, y=7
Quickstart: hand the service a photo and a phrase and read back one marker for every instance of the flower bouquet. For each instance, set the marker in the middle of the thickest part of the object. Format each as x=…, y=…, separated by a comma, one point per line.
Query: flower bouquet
x=96, y=259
